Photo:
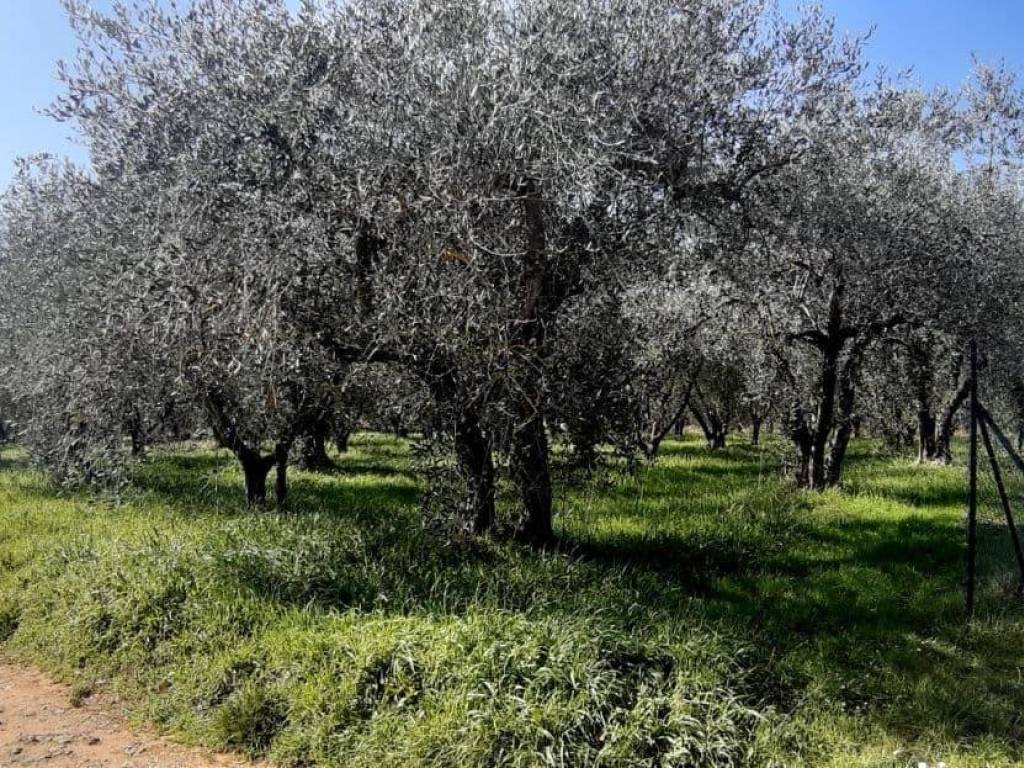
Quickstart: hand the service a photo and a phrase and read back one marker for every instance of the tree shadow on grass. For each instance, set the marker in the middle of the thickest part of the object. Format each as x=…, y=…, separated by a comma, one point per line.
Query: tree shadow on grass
x=180, y=461
x=362, y=467
x=209, y=481
x=10, y=458
x=868, y=609
x=882, y=628
x=678, y=562
x=364, y=499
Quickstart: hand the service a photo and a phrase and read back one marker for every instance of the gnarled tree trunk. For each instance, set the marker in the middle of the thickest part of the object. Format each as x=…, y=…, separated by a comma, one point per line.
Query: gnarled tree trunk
x=530, y=468
x=473, y=450
x=280, y=460
x=845, y=421
x=926, y=437
x=947, y=422
x=714, y=427
x=828, y=380
x=921, y=378
x=584, y=451
x=755, y=429
x=530, y=459
x=822, y=443
x=255, y=469
x=800, y=434
x=313, y=446
x=255, y=466
x=341, y=438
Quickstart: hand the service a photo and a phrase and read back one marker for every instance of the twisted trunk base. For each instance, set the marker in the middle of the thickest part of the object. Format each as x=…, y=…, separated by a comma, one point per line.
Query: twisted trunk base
x=473, y=451
x=531, y=471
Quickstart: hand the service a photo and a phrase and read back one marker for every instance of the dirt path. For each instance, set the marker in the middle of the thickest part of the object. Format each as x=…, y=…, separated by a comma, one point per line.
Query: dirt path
x=40, y=727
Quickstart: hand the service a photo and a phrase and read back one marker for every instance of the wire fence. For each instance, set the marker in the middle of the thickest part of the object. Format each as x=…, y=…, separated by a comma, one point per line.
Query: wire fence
x=995, y=474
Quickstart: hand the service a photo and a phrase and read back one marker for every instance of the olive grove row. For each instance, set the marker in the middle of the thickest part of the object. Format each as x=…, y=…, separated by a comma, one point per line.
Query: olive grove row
x=516, y=221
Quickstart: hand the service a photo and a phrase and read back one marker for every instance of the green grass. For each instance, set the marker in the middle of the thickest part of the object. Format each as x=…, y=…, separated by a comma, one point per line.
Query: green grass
x=700, y=613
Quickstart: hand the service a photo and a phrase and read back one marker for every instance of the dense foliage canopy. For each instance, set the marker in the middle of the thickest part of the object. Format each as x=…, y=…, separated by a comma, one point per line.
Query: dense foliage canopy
x=500, y=224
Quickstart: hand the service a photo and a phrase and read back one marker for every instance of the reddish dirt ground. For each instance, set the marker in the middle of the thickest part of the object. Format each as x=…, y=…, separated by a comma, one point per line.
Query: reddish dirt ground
x=40, y=727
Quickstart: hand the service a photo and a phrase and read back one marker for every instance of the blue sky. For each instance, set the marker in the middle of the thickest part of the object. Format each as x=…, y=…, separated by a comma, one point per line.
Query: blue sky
x=935, y=37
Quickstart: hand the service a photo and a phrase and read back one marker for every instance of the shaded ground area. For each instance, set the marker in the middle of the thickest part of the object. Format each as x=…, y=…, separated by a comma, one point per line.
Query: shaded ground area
x=39, y=725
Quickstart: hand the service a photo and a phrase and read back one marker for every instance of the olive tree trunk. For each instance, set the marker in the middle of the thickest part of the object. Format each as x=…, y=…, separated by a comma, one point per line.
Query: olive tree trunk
x=755, y=429
x=530, y=459
x=531, y=471
x=255, y=469
x=255, y=466
x=947, y=422
x=476, y=464
x=313, y=446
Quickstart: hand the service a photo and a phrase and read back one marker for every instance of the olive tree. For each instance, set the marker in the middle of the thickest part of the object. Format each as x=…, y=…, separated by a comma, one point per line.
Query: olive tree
x=188, y=115
x=83, y=369
x=517, y=157
x=851, y=240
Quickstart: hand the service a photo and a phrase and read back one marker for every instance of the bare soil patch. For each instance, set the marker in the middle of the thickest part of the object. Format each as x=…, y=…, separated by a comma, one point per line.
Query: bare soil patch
x=39, y=726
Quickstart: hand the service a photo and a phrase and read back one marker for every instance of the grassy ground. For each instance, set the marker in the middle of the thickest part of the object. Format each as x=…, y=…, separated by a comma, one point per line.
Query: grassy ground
x=700, y=613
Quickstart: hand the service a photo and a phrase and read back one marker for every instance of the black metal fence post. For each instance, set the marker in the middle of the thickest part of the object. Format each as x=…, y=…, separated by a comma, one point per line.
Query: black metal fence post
x=972, y=494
